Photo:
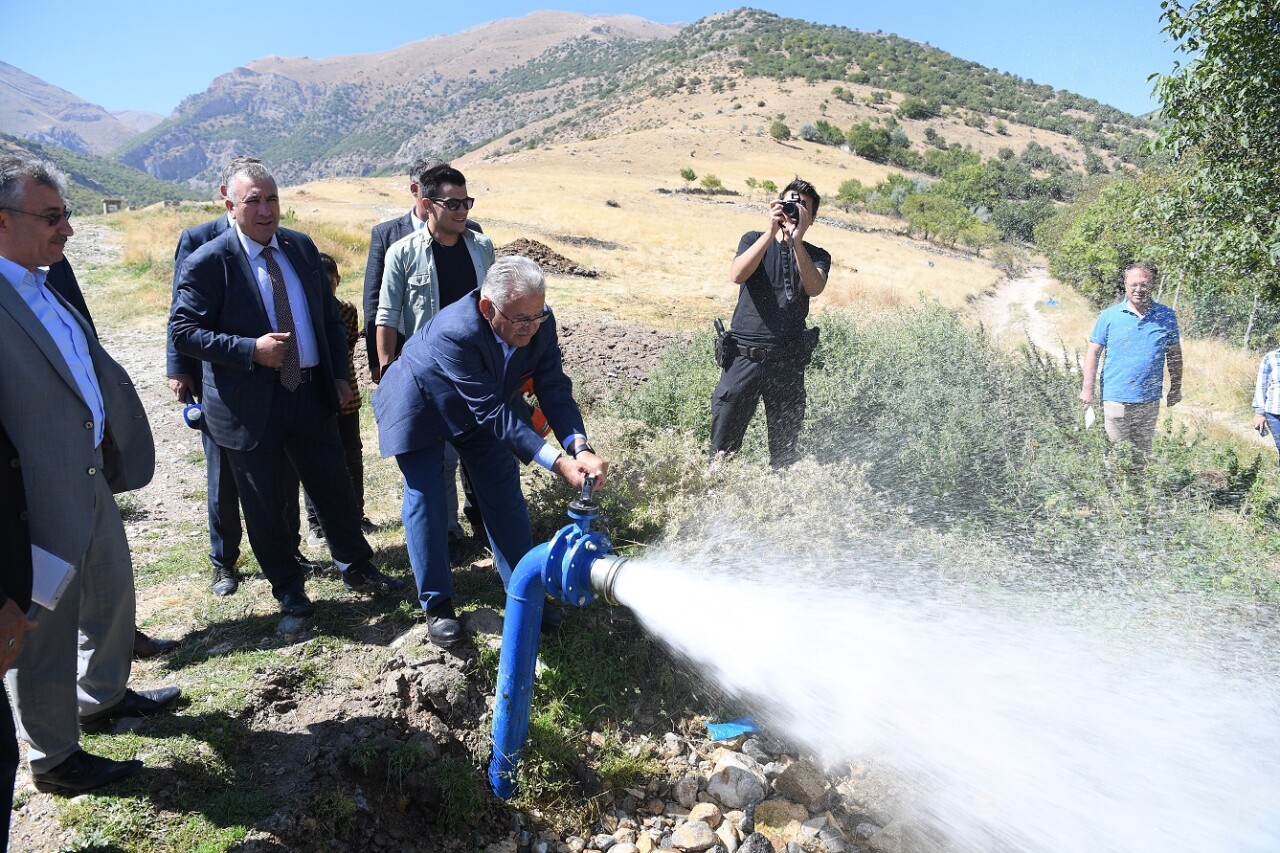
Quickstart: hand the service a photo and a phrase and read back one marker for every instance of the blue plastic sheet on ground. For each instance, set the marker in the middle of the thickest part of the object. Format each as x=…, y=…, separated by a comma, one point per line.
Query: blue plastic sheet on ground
x=731, y=729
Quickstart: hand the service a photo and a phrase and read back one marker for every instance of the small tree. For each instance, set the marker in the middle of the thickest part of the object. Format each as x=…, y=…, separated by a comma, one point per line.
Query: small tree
x=752, y=185
x=850, y=194
x=770, y=188
x=689, y=176
x=779, y=130
x=711, y=183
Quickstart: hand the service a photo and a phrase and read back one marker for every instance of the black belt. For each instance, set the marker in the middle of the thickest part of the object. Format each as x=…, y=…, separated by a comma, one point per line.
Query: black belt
x=767, y=353
x=306, y=374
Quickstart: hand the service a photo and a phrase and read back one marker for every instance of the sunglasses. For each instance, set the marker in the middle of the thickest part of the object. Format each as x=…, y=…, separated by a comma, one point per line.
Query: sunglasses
x=455, y=203
x=51, y=218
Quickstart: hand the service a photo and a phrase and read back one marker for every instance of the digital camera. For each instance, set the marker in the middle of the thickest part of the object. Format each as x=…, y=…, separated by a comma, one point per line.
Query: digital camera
x=791, y=210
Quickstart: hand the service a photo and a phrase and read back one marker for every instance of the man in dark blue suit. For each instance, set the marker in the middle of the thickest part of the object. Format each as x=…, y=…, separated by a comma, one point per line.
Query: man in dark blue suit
x=255, y=307
x=458, y=379
x=222, y=497
x=62, y=280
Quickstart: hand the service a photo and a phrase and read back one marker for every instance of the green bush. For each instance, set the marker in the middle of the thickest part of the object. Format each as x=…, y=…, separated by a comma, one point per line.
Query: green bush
x=973, y=441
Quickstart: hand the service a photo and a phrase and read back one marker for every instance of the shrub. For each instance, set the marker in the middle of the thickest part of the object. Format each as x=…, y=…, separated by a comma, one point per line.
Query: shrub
x=779, y=130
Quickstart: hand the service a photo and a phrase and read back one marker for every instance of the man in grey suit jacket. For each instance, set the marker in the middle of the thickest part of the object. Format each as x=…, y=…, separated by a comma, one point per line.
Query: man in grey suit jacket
x=81, y=434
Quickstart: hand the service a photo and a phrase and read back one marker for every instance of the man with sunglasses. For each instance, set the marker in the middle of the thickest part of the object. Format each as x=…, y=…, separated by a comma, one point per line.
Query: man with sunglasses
x=458, y=381
x=383, y=237
x=80, y=433
x=426, y=271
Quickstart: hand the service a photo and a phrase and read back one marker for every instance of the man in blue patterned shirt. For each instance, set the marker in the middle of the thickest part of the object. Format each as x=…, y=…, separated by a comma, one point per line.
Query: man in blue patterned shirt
x=1139, y=336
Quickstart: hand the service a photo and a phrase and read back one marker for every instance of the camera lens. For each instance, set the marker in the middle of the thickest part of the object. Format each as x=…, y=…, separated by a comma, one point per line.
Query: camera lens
x=790, y=209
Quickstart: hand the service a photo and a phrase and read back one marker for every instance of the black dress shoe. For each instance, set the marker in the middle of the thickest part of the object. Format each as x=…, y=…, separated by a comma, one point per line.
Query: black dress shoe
x=225, y=581
x=149, y=647
x=136, y=703
x=296, y=604
x=370, y=580
x=81, y=772
x=443, y=627
x=307, y=567
x=368, y=527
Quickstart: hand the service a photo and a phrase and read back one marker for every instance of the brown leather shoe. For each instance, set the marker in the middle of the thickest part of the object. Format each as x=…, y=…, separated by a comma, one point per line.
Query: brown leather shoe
x=149, y=647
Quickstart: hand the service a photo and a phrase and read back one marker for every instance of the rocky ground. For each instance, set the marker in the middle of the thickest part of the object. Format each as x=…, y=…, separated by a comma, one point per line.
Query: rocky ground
x=747, y=795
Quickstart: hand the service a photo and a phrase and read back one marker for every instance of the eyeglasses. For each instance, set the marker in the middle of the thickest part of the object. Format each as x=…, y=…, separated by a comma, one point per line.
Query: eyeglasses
x=51, y=219
x=524, y=321
x=455, y=203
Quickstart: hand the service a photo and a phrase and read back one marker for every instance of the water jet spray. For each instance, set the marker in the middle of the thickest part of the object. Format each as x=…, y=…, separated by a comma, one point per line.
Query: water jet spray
x=575, y=566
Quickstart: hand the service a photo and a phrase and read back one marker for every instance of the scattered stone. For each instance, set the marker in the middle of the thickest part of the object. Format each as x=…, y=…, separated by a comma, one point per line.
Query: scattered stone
x=755, y=843
x=694, y=837
x=801, y=782
x=624, y=847
x=729, y=837
x=737, y=780
x=708, y=813
x=686, y=790
x=780, y=820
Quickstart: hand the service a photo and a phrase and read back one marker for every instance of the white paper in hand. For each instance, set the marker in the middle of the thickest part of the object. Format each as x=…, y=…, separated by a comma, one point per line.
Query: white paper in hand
x=50, y=577
x=1089, y=417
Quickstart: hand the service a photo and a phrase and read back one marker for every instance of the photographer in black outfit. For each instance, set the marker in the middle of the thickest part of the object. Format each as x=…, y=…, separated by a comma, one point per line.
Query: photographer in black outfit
x=766, y=352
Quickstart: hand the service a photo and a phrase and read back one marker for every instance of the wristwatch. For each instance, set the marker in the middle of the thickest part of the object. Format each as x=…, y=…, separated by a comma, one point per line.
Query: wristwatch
x=583, y=447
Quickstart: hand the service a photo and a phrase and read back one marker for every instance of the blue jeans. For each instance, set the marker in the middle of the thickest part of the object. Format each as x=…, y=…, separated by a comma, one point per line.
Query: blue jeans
x=495, y=477
x=1273, y=424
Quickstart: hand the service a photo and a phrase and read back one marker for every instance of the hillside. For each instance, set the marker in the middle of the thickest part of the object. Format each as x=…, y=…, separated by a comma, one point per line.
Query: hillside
x=40, y=112
x=564, y=76
x=92, y=178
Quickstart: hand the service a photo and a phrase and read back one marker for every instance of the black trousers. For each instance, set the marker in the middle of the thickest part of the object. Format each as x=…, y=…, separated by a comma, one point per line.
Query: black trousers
x=780, y=384
x=8, y=767
x=353, y=457
x=302, y=433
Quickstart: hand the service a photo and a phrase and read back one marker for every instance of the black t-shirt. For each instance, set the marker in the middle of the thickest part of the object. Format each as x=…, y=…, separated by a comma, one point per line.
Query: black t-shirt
x=765, y=316
x=455, y=272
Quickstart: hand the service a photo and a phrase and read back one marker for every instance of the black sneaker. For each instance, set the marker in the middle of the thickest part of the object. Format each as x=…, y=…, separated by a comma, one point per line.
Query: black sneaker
x=367, y=527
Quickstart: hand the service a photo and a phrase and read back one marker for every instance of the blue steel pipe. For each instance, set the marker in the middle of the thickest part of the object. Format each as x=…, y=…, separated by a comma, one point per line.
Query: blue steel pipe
x=574, y=565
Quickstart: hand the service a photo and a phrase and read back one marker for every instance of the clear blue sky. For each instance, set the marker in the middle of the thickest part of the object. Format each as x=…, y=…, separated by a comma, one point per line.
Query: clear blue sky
x=148, y=55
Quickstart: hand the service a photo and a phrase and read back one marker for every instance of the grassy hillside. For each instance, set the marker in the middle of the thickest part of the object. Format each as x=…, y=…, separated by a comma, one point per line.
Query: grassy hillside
x=92, y=178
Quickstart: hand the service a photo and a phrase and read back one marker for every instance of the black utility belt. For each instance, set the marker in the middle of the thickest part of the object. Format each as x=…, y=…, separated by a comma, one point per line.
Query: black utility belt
x=769, y=353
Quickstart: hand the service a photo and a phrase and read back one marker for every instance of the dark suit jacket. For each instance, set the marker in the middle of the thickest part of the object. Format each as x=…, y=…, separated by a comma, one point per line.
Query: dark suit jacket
x=62, y=279
x=380, y=239
x=450, y=381
x=192, y=238
x=217, y=316
x=15, y=534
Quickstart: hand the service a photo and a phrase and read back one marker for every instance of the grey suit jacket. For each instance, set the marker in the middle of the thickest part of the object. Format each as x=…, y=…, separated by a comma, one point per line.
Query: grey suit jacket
x=52, y=428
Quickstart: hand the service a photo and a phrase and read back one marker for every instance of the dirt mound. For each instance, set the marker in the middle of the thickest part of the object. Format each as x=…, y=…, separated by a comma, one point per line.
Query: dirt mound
x=551, y=260
x=606, y=360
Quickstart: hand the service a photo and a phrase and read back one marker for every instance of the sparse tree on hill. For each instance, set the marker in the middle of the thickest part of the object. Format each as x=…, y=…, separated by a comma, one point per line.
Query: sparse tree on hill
x=689, y=176
x=752, y=186
x=779, y=130
x=711, y=183
x=770, y=188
